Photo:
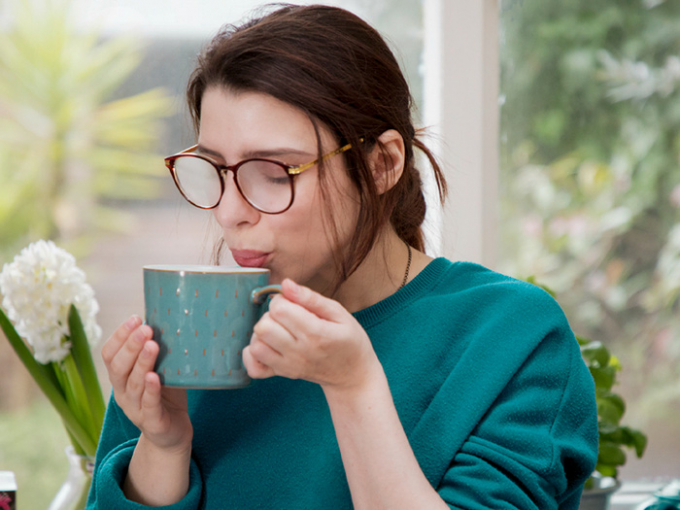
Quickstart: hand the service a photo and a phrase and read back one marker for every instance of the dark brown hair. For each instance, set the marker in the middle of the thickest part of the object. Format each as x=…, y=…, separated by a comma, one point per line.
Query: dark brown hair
x=337, y=69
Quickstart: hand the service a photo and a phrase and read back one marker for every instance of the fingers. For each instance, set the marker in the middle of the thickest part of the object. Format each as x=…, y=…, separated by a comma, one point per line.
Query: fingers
x=123, y=351
x=273, y=334
x=151, y=397
x=142, y=367
x=293, y=317
x=255, y=368
x=312, y=301
x=113, y=344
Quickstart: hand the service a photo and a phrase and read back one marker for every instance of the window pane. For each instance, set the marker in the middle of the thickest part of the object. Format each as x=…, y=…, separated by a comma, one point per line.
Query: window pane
x=590, y=186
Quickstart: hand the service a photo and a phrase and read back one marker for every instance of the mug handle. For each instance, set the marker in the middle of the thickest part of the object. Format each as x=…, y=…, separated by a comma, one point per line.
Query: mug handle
x=259, y=295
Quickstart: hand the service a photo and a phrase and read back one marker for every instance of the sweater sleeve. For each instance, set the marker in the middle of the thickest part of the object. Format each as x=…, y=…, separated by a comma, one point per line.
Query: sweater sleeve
x=116, y=446
x=537, y=443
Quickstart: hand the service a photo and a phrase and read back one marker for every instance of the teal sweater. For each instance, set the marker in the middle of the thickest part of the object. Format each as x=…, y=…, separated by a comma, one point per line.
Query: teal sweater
x=488, y=382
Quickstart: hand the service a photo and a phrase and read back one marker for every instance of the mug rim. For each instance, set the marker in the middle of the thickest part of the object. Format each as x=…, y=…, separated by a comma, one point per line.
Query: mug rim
x=203, y=269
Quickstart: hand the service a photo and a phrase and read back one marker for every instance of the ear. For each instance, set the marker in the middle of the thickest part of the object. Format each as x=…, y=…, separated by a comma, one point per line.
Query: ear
x=387, y=162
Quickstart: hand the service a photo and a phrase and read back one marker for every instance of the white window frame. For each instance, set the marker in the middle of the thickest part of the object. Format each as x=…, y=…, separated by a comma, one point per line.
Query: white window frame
x=461, y=111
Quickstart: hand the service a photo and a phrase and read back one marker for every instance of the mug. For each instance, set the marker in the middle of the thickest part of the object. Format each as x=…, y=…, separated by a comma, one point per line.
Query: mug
x=202, y=317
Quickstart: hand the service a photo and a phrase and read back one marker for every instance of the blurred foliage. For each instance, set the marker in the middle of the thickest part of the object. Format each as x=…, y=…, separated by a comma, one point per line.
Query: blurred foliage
x=590, y=153
x=32, y=445
x=65, y=146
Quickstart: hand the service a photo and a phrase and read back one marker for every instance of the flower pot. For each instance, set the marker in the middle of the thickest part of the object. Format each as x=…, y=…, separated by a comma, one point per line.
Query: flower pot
x=73, y=493
x=597, y=497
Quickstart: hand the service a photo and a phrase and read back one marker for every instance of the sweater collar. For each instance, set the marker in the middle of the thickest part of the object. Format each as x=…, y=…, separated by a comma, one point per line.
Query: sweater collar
x=417, y=287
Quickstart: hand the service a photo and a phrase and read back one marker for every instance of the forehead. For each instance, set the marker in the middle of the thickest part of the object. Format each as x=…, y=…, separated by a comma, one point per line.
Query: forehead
x=248, y=119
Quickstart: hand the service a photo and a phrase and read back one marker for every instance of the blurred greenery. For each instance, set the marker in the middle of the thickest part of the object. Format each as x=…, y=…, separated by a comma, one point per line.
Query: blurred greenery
x=32, y=445
x=65, y=146
x=590, y=187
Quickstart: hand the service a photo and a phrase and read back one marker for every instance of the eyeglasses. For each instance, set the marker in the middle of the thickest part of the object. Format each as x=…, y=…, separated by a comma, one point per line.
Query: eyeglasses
x=265, y=184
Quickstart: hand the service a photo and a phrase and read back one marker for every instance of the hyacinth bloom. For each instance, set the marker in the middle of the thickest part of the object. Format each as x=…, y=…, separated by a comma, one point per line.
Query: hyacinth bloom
x=48, y=303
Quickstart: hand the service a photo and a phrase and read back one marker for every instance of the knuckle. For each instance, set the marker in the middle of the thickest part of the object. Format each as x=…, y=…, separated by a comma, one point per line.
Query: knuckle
x=107, y=353
x=118, y=367
x=276, y=305
x=133, y=385
x=262, y=327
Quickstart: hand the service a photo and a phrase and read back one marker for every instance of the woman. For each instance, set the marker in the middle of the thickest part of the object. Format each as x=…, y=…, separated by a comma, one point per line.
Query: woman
x=387, y=379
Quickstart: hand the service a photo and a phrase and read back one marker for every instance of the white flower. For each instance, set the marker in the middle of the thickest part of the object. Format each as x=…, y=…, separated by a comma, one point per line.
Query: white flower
x=39, y=288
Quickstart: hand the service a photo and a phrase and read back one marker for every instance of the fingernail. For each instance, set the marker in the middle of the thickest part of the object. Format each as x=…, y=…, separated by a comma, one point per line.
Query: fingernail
x=140, y=336
x=147, y=350
x=132, y=322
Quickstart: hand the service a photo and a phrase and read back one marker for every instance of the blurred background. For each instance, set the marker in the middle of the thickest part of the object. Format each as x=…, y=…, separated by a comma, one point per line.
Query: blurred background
x=91, y=100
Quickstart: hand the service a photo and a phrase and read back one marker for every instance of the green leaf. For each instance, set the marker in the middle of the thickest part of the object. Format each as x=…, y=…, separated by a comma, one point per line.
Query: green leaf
x=611, y=454
x=610, y=408
x=532, y=280
x=635, y=439
x=604, y=377
x=48, y=384
x=596, y=352
x=583, y=340
x=82, y=356
x=607, y=470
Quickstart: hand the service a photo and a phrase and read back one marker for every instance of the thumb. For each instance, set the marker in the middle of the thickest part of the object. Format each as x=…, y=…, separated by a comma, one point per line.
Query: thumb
x=321, y=306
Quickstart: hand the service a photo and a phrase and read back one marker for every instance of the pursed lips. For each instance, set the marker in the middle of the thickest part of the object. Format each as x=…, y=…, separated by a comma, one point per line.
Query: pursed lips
x=249, y=258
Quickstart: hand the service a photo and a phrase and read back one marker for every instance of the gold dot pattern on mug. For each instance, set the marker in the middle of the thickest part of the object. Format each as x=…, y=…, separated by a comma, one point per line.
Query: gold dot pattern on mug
x=214, y=359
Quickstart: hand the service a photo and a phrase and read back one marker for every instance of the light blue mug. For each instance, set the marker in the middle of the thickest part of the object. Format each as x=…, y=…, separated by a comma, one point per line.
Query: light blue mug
x=202, y=317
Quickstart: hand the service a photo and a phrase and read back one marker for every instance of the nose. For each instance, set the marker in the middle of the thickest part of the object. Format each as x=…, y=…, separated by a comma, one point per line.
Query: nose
x=233, y=210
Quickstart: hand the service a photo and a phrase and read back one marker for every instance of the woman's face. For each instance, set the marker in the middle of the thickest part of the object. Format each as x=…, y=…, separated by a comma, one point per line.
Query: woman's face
x=295, y=244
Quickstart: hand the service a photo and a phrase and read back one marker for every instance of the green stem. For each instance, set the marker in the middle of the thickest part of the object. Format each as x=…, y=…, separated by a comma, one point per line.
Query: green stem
x=76, y=446
x=82, y=355
x=80, y=401
x=45, y=378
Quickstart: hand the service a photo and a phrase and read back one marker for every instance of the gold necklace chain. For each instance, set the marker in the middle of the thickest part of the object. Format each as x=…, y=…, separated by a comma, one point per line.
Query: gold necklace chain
x=408, y=267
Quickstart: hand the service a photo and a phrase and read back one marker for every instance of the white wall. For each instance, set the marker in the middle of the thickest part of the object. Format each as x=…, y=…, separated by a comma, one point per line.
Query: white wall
x=461, y=73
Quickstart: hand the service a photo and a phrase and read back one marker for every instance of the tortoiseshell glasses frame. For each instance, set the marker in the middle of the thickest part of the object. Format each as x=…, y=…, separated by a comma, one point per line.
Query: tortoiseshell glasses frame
x=291, y=171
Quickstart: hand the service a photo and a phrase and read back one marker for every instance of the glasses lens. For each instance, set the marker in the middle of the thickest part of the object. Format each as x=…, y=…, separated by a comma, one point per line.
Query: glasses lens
x=198, y=180
x=266, y=185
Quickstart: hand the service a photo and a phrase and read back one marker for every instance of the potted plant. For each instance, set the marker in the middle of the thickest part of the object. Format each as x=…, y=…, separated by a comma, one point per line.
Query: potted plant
x=614, y=437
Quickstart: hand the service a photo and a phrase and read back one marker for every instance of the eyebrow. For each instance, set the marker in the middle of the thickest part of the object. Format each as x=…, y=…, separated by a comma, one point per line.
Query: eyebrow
x=260, y=153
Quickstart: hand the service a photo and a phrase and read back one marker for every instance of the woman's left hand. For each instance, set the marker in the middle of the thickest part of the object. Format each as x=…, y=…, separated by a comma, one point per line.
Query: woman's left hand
x=305, y=335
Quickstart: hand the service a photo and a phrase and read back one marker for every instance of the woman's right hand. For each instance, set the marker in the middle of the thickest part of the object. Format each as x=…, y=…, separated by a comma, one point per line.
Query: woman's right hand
x=159, y=412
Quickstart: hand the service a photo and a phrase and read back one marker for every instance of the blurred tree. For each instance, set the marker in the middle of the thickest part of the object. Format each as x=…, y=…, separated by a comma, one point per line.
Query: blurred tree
x=590, y=153
x=65, y=147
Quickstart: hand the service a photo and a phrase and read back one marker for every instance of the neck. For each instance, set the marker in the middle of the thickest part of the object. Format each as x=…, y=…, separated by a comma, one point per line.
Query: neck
x=381, y=273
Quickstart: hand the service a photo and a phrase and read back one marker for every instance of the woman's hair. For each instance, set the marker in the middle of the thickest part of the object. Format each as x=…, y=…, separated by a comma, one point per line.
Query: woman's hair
x=337, y=69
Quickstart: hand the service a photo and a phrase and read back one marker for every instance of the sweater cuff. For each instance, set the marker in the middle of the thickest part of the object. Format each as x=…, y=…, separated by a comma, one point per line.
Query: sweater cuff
x=107, y=484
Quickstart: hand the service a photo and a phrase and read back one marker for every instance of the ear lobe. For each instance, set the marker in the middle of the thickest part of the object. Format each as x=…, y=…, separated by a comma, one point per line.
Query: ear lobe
x=387, y=160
